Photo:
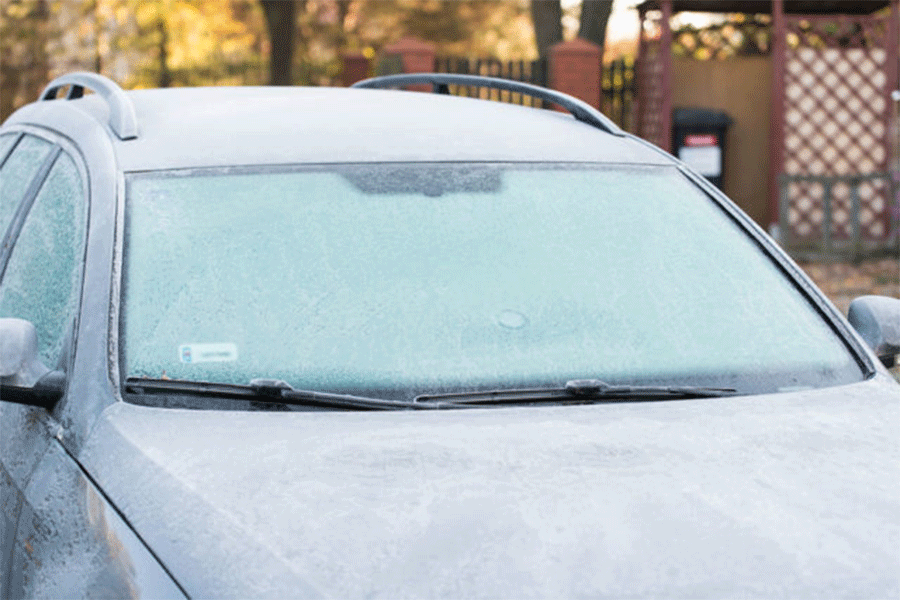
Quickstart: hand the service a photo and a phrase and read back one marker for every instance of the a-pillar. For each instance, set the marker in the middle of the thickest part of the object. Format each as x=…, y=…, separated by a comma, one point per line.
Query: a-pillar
x=575, y=69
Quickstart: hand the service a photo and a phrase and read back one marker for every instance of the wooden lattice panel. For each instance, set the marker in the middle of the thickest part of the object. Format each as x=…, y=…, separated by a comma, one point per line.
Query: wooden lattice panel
x=835, y=122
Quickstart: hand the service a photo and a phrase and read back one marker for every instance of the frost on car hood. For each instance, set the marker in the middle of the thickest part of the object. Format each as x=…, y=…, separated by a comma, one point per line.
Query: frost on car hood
x=792, y=495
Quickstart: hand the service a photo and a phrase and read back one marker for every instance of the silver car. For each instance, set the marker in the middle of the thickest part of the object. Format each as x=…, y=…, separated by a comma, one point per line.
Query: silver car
x=371, y=343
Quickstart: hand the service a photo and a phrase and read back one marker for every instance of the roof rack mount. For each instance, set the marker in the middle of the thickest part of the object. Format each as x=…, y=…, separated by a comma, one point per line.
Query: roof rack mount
x=579, y=109
x=122, y=118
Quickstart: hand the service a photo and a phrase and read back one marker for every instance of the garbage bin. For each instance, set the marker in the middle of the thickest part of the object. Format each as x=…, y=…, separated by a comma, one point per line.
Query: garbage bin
x=698, y=139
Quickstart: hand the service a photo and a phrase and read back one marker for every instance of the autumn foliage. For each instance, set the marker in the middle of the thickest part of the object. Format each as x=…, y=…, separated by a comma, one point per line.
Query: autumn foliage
x=161, y=43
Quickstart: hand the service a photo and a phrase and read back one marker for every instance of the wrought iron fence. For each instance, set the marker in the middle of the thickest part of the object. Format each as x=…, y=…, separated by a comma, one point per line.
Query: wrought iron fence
x=618, y=85
x=528, y=71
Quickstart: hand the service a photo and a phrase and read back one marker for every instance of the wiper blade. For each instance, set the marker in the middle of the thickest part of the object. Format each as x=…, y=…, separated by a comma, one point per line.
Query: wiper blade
x=268, y=390
x=577, y=391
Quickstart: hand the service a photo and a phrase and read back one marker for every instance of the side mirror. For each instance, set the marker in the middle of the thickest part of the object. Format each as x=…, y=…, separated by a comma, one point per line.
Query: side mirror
x=877, y=320
x=23, y=377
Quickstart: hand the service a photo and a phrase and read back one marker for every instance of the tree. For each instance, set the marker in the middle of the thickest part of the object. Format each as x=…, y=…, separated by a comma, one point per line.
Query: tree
x=281, y=23
x=547, y=18
x=24, y=64
x=327, y=28
x=594, y=18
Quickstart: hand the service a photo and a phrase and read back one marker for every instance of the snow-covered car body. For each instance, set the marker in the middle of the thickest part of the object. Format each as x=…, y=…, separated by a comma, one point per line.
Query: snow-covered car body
x=490, y=464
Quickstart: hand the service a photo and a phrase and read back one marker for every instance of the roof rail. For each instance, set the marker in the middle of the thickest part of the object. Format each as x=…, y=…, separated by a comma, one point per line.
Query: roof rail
x=122, y=118
x=582, y=111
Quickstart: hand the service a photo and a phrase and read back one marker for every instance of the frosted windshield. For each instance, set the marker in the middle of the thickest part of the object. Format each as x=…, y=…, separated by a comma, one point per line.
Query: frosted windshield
x=400, y=279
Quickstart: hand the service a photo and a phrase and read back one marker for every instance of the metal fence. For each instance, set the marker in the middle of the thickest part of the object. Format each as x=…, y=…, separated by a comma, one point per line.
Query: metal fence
x=533, y=71
x=618, y=84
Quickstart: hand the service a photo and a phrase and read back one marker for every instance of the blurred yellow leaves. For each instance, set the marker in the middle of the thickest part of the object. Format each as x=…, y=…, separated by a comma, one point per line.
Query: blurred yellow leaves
x=201, y=42
x=154, y=43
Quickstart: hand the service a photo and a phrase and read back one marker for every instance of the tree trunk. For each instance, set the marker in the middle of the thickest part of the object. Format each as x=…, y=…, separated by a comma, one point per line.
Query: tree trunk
x=9, y=87
x=546, y=16
x=594, y=17
x=281, y=23
x=165, y=76
x=343, y=7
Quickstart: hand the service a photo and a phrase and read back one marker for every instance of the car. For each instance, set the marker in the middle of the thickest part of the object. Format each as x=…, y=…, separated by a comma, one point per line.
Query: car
x=373, y=342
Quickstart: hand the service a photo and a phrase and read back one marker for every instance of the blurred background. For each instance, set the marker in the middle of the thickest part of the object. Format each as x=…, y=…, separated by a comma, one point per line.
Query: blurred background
x=803, y=150
x=161, y=43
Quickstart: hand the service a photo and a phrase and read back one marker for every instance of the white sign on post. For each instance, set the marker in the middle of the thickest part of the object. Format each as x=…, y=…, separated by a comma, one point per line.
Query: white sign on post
x=706, y=160
x=702, y=153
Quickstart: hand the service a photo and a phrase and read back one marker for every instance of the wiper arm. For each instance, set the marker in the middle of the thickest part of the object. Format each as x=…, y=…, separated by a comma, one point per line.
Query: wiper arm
x=268, y=390
x=577, y=391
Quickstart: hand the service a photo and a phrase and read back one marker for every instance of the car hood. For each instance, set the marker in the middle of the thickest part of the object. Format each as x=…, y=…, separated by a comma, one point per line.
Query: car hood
x=794, y=494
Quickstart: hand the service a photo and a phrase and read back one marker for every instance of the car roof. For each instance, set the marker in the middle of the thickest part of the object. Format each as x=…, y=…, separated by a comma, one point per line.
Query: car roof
x=224, y=126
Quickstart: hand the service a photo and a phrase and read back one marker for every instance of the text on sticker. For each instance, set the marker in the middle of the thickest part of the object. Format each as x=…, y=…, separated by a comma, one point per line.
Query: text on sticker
x=200, y=353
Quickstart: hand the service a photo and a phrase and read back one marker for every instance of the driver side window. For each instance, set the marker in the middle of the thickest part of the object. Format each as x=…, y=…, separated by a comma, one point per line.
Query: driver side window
x=42, y=279
x=17, y=171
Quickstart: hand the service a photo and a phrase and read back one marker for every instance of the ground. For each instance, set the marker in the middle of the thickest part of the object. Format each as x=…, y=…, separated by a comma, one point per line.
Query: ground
x=844, y=281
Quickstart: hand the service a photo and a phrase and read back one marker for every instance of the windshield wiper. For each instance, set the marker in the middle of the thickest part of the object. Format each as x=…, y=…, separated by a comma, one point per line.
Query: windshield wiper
x=268, y=390
x=577, y=391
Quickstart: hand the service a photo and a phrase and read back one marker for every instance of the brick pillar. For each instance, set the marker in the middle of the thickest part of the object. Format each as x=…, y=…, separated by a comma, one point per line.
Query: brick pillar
x=356, y=67
x=416, y=56
x=575, y=70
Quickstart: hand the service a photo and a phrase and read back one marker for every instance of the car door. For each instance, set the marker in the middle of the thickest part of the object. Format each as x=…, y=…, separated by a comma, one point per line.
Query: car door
x=44, y=218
